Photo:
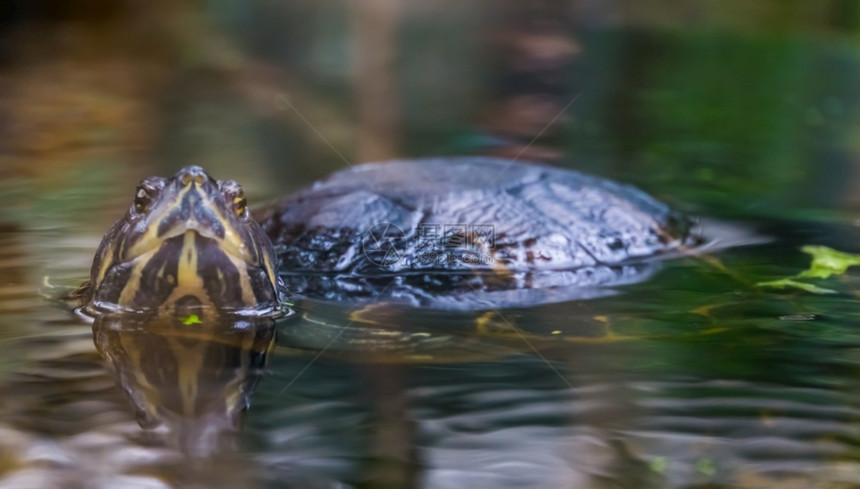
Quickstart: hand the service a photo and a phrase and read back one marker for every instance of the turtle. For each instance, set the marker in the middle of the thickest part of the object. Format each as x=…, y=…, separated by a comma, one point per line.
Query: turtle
x=458, y=233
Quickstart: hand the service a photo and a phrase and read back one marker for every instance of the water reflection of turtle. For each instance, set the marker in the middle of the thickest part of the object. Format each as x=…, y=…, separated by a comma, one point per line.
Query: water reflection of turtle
x=451, y=234
x=196, y=381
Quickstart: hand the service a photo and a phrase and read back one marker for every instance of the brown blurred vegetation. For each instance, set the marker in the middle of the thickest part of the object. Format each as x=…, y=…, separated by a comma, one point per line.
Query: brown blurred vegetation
x=287, y=92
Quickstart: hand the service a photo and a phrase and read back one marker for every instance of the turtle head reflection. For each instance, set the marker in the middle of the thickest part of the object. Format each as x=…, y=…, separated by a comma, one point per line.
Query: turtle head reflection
x=194, y=379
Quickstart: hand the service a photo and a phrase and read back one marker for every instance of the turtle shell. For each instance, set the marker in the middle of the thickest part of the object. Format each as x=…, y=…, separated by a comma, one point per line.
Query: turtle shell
x=455, y=232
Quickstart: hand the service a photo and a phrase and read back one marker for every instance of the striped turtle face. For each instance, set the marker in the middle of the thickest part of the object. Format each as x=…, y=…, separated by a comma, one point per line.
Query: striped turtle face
x=186, y=243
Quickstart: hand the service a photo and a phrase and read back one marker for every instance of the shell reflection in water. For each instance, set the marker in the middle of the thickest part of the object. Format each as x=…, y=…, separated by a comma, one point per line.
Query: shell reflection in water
x=191, y=378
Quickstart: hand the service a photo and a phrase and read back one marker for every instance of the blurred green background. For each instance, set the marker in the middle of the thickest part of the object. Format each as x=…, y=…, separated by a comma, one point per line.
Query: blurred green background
x=729, y=108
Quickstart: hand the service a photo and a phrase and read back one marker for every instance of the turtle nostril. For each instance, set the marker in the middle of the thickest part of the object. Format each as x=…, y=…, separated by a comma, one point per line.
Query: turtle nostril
x=192, y=174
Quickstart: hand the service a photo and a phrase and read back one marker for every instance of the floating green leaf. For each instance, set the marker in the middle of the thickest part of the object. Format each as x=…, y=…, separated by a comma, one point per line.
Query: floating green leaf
x=827, y=262
x=192, y=319
x=705, y=466
x=787, y=283
x=659, y=464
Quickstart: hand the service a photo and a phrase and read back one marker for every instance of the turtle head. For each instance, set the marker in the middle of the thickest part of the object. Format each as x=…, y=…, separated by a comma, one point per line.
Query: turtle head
x=186, y=241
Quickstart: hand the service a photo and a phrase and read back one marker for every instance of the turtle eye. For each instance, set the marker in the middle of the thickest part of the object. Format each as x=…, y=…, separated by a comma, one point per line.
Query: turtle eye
x=240, y=204
x=142, y=199
x=235, y=197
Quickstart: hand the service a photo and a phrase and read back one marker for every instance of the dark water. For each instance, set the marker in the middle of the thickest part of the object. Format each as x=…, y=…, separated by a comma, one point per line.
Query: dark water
x=694, y=378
